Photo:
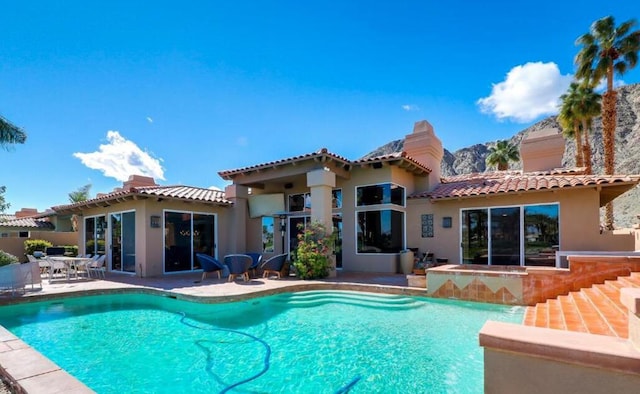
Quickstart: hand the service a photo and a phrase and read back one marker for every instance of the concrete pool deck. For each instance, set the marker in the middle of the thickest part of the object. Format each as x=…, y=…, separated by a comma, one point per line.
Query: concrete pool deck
x=31, y=372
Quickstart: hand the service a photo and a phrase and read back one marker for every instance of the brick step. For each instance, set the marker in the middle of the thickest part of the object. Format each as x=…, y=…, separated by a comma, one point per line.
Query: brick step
x=631, y=281
x=572, y=318
x=555, y=316
x=593, y=320
x=615, y=319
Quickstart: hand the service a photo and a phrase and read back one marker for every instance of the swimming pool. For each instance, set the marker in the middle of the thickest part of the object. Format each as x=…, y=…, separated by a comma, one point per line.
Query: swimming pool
x=317, y=341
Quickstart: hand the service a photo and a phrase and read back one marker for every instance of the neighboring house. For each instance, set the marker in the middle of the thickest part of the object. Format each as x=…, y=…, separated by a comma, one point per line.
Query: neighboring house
x=28, y=223
x=379, y=206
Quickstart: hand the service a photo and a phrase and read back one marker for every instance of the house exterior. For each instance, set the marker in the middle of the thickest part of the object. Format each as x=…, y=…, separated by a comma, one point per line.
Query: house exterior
x=379, y=206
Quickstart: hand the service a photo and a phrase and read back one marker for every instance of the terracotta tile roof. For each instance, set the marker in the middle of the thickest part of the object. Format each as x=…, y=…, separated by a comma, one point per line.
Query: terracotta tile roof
x=178, y=192
x=400, y=157
x=10, y=222
x=319, y=154
x=513, y=182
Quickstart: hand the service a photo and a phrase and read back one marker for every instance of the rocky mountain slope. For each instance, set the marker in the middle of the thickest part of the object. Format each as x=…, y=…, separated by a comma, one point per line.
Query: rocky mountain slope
x=626, y=207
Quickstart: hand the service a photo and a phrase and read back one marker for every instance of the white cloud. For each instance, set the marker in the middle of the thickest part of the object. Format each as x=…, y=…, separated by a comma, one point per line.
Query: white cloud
x=242, y=141
x=149, y=119
x=410, y=107
x=528, y=91
x=120, y=158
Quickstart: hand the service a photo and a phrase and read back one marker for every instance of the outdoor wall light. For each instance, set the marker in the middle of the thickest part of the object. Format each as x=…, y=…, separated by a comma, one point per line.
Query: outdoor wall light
x=154, y=221
x=446, y=222
x=283, y=224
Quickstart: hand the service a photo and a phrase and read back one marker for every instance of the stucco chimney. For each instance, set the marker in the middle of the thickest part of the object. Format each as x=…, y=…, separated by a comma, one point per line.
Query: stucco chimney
x=542, y=150
x=26, y=212
x=424, y=147
x=137, y=181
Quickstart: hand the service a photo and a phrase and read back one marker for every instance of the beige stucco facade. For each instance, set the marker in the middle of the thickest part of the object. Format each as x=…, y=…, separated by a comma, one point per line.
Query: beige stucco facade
x=319, y=175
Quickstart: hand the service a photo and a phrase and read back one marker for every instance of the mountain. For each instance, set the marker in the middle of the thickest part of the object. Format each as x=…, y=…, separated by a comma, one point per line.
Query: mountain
x=627, y=155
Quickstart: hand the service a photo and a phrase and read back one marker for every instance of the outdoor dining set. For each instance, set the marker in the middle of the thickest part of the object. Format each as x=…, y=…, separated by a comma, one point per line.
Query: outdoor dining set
x=241, y=265
x=90, y=267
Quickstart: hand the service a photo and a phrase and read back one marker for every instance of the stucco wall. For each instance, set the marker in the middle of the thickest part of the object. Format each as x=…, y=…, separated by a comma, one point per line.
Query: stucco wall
x=579, y=221
x=150, y=240
x=15, y=245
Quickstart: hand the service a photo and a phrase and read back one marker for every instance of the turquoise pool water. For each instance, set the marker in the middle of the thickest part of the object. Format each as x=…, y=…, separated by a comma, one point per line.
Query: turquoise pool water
x=308, y=342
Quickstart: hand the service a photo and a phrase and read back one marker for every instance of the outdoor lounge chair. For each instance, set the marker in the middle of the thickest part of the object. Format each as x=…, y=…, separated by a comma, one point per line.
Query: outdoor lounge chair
x=238, y=265
x=209, y=264
x=274, y=265
x=257, y=260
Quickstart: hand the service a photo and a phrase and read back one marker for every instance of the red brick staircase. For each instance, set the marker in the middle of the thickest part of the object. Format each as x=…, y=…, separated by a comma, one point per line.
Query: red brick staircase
x=596, y=309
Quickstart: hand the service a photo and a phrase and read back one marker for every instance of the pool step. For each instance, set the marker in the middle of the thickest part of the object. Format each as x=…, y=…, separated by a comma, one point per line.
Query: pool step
x=316, y=298
x=596, y=309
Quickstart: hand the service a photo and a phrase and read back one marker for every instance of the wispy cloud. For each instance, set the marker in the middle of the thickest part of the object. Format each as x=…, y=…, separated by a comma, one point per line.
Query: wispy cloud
x=528, y=91
x=149, y=119
x=120, y=158
x=242, y=141
x=410, y=107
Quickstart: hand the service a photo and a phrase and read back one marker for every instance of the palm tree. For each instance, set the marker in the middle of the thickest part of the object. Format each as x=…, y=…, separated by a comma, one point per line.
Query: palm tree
x=10, y=134
x=82, y=194
x=569, y=121
x=606, y=50
x=588, y=107
x=502, y=154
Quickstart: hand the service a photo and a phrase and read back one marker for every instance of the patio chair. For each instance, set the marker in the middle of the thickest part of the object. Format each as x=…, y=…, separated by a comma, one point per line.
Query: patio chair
x=97, y=266
x=238, y=265
x=274, y=265
x=12, y=277
x=209, y=264
x=257, y=260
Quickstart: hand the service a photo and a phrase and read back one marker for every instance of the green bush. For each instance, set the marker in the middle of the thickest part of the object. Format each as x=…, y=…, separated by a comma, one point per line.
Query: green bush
x=313, y=253
x=7, y=258
x=31, y=245
x=70, y=250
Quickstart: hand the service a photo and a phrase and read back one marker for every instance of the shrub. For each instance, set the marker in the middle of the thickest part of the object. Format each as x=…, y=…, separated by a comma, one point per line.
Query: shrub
x=7, y=258
x=313, y=253
x=31, y=245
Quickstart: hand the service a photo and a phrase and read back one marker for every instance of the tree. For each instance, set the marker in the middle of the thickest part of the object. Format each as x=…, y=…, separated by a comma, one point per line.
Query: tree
x=3, y=205
x=569, y=121
x=607, y=50
x=10, y=134
x=501, y=154
x=578, y=108
x=82, y=194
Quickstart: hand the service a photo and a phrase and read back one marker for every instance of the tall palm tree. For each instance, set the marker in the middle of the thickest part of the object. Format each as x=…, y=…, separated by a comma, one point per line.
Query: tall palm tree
x=10, y=134
x=588, y=107
x=607, y=50
x=569, y=120
x=501, y=154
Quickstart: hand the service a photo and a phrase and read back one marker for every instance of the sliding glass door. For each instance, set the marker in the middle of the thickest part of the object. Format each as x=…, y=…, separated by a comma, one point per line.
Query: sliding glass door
x=522, y=235
x=187, y=233
x=95, y=228
x=123, y=242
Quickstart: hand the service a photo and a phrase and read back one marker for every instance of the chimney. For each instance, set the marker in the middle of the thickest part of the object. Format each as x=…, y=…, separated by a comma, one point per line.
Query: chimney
x=26, y=212
x=542, y=150
x=423, y=146
x=138, y=181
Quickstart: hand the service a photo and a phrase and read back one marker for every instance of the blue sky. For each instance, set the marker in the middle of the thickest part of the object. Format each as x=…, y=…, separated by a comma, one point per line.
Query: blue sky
x=182, y=90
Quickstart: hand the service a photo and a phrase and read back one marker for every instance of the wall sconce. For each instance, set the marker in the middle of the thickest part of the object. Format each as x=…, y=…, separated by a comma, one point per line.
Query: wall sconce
x=283, y=224
x=154, y=221
x=446, y=222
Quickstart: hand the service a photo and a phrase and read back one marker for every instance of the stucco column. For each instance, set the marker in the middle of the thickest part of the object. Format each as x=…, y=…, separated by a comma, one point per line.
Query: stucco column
x=321, y=182
x=237, y=239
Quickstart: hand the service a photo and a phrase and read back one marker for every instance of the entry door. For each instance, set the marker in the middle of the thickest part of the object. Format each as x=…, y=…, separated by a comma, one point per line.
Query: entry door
x=123, y=242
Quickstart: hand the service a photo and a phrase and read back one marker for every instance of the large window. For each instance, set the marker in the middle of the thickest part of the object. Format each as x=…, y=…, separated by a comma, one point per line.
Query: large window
x=384, y=193
x=526, y=235
x=380, y=231
x=267, y=234
x=186, y=234
x=95, y=229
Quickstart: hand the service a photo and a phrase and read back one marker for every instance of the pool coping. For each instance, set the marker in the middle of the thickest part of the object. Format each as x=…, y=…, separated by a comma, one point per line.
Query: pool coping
x=33, y=372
